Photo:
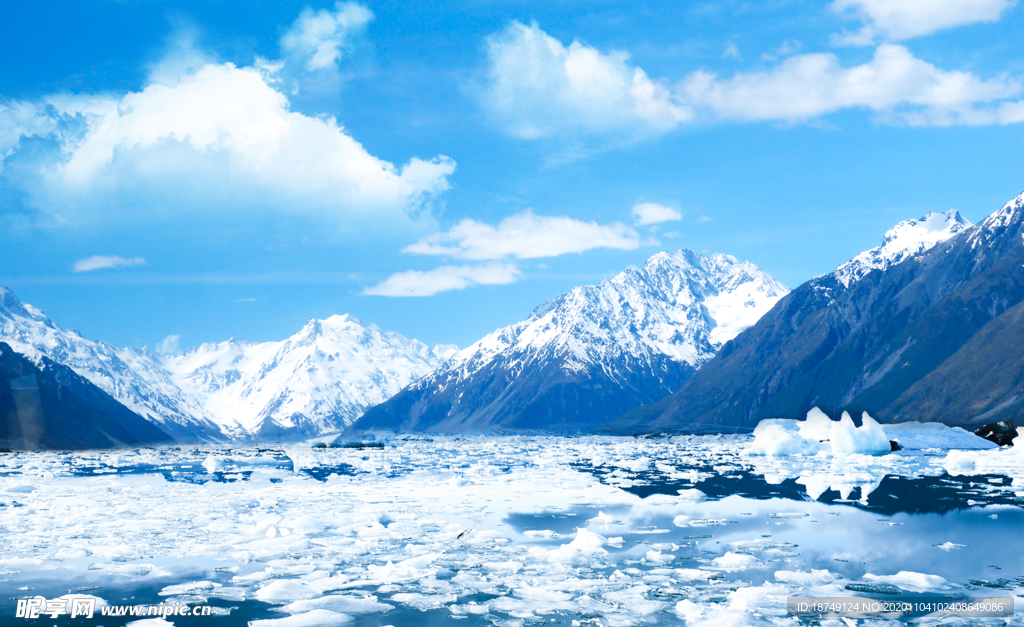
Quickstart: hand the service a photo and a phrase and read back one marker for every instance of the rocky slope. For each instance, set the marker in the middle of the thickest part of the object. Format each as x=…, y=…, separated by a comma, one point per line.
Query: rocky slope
x=319, y=380
x=590, y=354
x=49, y=406
x=934, y=337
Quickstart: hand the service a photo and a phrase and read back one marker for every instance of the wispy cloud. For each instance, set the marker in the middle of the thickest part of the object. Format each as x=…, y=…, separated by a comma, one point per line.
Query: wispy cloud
x=102, y=262
x=538, y=88
x=895, y=20
x=894, y=83
x=652, y=213
x=18, y=120
x=169, y=345
x=445, y=278
x=318, y=39
x=525, y=236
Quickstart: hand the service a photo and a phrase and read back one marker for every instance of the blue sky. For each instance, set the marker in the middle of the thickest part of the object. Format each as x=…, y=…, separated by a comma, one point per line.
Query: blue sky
x=231, y=169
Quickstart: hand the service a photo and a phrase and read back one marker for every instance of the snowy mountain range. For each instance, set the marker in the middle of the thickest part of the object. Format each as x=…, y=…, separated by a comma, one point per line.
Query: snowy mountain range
x=578, y=360
x=591, y=353
x=134, y=377
x=935, y=336
x=319, y=380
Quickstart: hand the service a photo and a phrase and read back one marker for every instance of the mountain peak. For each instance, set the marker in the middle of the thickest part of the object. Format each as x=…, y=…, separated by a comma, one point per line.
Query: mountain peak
x=906, y=239
x=338, y=321
x=591, y=353
x=1011, y=212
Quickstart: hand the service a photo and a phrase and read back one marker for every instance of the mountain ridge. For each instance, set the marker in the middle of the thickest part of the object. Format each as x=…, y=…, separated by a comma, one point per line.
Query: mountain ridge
x=192, y=400
x=866, y=347
x=594, y=350
x=46, y=405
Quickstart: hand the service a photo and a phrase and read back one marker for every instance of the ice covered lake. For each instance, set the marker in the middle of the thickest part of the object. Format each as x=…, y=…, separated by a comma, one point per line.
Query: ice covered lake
x=508, y=531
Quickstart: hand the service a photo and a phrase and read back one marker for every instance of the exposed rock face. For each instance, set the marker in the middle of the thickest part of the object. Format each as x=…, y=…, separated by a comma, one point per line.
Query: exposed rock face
x=591, y=354
x=1002, y=432
x=49, y=406
x=934, y=338
x=319, y=380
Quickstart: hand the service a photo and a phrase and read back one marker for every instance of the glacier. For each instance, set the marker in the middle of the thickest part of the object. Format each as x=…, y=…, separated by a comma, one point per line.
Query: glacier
x=508, y=530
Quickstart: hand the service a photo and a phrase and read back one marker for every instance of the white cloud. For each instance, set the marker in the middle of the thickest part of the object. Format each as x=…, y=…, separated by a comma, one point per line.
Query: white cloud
x=732, y=51
x=318, y=39
x=223, y=136
x=525, y=236
x=895, y=20
x=788, y=48
x=445, y=278
x=894, y=83
x=102, y=262
x=183, y=55
x=169, y=345
x=538, y=88
x=18, y=120
x=652, y=213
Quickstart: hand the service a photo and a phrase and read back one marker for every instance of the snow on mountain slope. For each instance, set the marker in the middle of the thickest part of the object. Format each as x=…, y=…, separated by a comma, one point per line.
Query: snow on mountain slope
x=934, y=337
x=320, y=379
x=906, y=239
x=135, y=378
x=683, y=305
x=595, y=351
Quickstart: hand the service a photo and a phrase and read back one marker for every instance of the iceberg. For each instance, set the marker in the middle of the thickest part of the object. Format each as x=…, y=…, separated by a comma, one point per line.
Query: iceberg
x=819, y=434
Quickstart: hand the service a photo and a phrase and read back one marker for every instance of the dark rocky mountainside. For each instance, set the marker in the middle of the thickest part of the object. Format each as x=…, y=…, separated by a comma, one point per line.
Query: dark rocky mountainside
x=935, y=338
x=590, y=354
x=49, y=406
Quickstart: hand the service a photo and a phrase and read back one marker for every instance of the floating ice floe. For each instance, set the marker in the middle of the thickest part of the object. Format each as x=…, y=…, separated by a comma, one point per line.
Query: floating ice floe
x=915, y=582
x=587, y=544
x=819, y=434
x=1009, y=461
x=151, y=622
x=314, y=618
x=393, y=540
x=926, y=435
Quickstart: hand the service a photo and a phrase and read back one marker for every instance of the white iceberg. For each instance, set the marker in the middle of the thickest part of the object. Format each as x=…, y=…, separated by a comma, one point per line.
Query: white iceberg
x=819, y=434
x=925, y=435
x=816, y=434
x=1009, y=461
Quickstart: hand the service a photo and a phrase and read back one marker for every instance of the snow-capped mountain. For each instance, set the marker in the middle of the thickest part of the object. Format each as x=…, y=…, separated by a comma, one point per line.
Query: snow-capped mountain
x=906, y=239
x=592, y=353
x=318, y=380
x=134, y=377
x=934, y=337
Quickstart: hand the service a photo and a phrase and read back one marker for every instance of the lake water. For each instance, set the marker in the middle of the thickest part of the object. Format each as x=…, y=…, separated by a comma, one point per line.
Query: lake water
x=507, y=531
